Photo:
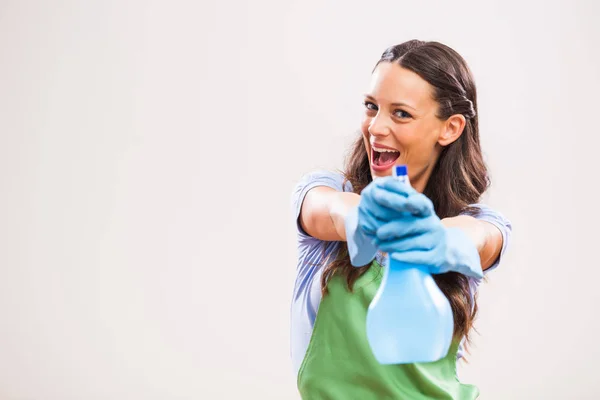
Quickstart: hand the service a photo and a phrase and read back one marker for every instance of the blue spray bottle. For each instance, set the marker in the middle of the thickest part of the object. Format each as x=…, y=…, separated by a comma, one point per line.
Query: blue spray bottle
x=409, y=319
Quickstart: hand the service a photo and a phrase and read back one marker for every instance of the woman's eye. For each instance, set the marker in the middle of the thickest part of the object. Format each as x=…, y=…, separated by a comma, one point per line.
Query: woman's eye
x=402, y=114
x=370, y=106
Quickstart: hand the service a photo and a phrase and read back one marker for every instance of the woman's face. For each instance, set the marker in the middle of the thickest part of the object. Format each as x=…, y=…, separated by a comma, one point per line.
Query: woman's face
x=400, y=124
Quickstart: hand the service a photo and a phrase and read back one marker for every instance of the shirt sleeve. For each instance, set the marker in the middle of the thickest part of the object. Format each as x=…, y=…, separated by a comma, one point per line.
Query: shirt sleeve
x=334, y=180
x=502, y=223
x=313, y=254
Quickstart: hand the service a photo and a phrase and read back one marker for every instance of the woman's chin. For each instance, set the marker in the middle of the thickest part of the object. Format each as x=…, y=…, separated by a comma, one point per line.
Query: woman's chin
x=380, y=174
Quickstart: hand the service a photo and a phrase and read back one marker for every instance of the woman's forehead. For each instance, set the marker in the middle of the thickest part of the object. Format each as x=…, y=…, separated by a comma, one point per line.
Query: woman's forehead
x=390, y=83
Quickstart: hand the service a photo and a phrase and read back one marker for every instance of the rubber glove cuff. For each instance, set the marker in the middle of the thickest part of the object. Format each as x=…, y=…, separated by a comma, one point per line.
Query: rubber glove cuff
x=360, y=247
x=461, y=255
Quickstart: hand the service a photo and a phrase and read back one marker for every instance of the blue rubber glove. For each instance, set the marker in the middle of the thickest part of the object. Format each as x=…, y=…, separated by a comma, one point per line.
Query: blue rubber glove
x=363, y=221
x=420, y=237
x=360, y=245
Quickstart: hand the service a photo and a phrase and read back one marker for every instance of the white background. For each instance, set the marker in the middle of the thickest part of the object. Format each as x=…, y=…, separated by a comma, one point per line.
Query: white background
x=148, y=151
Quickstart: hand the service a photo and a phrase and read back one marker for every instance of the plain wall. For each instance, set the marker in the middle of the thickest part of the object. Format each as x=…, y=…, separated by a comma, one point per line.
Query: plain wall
x=148, y=151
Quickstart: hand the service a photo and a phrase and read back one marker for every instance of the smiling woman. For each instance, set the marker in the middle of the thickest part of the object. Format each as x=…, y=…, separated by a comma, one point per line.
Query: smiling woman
x=421, y=111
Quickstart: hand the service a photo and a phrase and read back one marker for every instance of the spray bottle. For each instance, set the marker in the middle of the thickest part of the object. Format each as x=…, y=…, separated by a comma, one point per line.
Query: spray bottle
x=409, y=320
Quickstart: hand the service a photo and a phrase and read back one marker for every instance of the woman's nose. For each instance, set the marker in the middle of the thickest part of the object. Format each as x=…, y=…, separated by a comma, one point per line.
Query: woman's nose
x=380, y=126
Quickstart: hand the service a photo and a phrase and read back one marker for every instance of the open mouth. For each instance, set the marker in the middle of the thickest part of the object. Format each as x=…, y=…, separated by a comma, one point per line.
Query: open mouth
x=383, y=159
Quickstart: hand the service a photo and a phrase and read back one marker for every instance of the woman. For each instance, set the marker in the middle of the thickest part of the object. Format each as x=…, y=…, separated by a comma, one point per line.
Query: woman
x=421, y=110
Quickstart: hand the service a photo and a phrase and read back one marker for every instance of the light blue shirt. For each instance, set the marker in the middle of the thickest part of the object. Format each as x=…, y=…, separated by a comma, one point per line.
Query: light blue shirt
x=313, y=254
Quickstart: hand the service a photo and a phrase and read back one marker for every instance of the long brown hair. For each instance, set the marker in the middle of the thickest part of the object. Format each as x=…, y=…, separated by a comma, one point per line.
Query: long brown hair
x=459, y=177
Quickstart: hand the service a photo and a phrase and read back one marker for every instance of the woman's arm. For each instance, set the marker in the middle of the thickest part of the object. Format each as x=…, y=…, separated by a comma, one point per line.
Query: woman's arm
x=486, y=236
x=324, y=210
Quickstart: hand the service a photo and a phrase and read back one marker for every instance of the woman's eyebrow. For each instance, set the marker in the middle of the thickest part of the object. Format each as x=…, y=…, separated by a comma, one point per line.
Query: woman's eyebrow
x=398, y=104
x=402, y=105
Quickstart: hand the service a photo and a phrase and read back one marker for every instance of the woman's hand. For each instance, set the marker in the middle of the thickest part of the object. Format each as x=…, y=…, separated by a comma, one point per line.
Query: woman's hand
x=362, y=221
x=387, y=199
x=405, y=225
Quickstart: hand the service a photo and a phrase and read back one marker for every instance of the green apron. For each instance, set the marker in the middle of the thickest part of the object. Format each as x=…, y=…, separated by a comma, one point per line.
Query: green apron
x=339, y=364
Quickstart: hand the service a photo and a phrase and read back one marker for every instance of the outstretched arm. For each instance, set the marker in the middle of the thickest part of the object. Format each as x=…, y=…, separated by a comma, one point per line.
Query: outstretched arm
x=324, y=211
x=486, y=236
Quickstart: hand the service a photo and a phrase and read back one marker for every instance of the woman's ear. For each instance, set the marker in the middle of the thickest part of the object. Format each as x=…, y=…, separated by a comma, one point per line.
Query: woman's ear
x=453, y=128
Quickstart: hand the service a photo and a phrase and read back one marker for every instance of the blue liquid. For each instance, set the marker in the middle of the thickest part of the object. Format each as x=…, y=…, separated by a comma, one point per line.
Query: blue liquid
x=409, y=320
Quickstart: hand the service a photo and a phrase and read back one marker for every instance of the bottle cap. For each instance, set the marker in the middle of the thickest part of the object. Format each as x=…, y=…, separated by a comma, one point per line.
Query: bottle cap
x=400, y=170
